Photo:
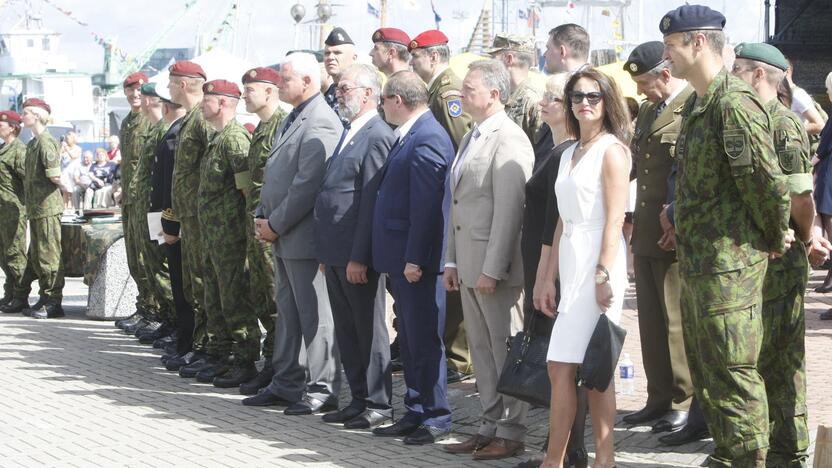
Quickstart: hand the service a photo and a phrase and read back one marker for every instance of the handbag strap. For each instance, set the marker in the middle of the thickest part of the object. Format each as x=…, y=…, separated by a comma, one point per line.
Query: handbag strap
x=528, y=325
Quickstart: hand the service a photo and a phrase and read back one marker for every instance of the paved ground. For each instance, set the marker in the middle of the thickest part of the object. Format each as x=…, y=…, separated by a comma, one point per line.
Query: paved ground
x=75, y=392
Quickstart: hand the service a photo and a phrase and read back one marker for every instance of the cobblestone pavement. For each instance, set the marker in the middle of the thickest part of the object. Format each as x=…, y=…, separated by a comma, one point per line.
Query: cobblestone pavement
x=75, y=392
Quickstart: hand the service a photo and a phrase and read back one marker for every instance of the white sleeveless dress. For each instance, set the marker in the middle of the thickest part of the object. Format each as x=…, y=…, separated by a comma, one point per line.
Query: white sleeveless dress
x=581, y=203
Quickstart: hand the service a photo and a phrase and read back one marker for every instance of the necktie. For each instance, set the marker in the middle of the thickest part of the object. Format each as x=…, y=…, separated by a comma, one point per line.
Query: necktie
x=660, y=108
x=289, y=121
x=341, y=141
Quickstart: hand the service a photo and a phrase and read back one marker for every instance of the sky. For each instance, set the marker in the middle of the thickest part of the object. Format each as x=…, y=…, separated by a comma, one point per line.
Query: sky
x=263, y=30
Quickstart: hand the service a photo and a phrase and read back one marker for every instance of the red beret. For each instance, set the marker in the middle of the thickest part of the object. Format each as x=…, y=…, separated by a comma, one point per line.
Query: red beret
x=428, y=38
x=391, y=35
x=250, y=127
x=11, y=117
x=188, y=69
x=222, y=88
x=35, y=102
x=138, y=78
x=262, y=75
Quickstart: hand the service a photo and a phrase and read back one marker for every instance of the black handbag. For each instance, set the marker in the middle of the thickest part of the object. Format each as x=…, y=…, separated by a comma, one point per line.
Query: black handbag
x=525, y=375
x=597, y=370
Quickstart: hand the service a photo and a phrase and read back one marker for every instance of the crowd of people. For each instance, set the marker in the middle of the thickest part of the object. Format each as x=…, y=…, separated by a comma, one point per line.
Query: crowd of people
x=89, y=180
x=478, y=202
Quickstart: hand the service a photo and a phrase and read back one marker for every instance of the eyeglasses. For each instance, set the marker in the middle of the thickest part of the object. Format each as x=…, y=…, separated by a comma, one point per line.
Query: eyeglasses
x=345, y=89
x=592, y=98
x=551, y=97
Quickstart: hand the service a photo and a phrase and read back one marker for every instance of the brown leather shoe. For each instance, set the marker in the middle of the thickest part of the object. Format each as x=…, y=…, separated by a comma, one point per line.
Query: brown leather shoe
x=500, y=448
x=471, y=445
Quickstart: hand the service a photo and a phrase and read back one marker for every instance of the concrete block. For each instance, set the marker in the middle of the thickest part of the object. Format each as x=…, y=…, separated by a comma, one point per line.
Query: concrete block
x=113, y=292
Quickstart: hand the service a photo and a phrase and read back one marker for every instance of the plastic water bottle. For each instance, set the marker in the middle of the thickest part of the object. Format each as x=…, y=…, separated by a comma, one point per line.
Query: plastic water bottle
x=626, y=375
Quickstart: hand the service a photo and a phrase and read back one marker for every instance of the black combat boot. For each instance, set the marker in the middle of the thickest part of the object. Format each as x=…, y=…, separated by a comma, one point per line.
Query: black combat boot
x=48, y=311
x=15, y=306
x=261, y=380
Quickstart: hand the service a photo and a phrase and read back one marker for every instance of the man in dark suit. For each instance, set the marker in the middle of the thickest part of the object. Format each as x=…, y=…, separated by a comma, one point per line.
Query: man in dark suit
x=294, y=173
x=343, y=231
x=408, y=227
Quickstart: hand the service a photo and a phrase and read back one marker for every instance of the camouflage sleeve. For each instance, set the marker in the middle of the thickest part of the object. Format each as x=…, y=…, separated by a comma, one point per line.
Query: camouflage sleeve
x=763, y=189
x=532, y=118
x=793, y=151
x=236, y=150
x=19, y=164
x=50, y=157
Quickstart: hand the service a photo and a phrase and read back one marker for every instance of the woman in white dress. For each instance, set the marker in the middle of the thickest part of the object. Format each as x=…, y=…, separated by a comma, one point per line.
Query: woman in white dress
x=588, y=253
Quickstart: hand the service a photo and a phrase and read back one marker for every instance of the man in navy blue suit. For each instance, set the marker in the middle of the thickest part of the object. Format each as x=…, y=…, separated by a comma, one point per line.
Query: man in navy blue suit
x=343, y=230
x=407, y=243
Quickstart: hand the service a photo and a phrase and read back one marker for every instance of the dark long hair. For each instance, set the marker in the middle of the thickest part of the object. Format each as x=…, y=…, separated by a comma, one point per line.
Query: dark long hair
x=616, y=115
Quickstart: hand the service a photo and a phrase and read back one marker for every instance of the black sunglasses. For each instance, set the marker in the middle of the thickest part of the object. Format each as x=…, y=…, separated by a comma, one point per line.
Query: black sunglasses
x=592, y=98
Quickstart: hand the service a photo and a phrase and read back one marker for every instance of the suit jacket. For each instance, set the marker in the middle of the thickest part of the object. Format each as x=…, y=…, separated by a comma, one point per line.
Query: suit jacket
x=487, y=208
x=653, y=145
x=293, y=175
x=344, y=208
x=411, y=206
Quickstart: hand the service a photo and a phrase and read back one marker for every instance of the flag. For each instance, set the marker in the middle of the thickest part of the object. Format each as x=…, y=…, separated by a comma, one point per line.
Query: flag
x=533, y=18
x=521, y=13
x=373, y=10
x=436, y=18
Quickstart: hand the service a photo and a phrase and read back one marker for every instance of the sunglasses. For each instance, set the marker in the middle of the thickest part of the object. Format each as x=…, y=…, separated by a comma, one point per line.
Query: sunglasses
x=592, y=98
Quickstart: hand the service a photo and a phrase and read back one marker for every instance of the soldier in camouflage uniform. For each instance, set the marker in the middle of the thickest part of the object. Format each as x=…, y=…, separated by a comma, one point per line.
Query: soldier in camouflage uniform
x=783, y=356
x=517, y=53
x=429, y=57
x=260, y=94
x=731, y=213
x=12, y=215
x=44, y=205
x=232, y=323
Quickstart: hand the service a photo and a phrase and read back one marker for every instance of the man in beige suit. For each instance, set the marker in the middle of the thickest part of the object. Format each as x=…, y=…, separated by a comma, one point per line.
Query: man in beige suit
x=483, y=261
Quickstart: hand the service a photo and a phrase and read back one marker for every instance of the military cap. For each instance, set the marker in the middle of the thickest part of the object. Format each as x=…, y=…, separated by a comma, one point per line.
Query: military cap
x=138, y=78
x=691, y=18
x=261, y=75
x=250, y=127
x=760, y=52
x=222, y=88
x=428, y=38
x=516, y=42
x=338, y=37
x=187, y=69
x=149, y=89
x=11, y=117
x=394, y=35
x=35, y=102
x=644, y=58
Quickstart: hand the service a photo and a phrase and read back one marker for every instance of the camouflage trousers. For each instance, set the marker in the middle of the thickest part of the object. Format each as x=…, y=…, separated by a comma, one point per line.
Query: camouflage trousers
x=723, y=329
x=231, y=321
x=13, y=256
x=783, y=367
x=155, y=265
x=45, y=256
x=261, y=271
x=192, y=275
x=144, y=300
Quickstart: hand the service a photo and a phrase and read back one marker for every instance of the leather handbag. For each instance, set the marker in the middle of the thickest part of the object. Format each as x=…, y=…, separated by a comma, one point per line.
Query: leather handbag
x=525, y=375
x=597, y=370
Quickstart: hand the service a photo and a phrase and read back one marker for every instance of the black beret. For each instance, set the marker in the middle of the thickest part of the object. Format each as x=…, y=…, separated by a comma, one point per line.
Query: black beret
x=644, y=58
x=338, y=37
x=691, y=18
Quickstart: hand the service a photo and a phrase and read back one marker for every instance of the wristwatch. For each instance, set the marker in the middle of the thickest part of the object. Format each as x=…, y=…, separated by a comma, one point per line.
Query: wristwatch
x=601, y=275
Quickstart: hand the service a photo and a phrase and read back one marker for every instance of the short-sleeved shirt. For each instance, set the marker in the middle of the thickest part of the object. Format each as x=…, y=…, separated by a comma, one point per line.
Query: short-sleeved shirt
x=12, y=173
x=801, y=101
x=219, y=198
x=43, y=162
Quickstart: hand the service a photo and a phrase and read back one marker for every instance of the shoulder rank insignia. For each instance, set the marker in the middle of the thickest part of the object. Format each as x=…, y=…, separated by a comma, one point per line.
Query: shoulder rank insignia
x=454, y=108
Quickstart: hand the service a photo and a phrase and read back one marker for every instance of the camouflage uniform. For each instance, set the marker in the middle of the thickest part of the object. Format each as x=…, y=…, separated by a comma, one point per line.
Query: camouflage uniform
x=131, y=138
x=232, y=324
x=261, y=268
x=731, y=210
x=44, y=205
x=152, y=254
x=194, y=137
x=783, y=355
x=524, y=108
x=13, y=220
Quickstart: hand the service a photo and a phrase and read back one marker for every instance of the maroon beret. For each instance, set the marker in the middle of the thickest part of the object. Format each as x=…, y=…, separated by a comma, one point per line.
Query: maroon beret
x=391, y=35
x=222, y=88
x=428, y=38
x=188, y=69
x=262, y=75
x=138, y=78
x=35, y=102
x=250, y=127
x=11, y=117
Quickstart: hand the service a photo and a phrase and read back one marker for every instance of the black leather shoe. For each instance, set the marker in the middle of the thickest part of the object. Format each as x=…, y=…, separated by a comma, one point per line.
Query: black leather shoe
x=685, y=435
x=643, y=415
x=149, y=337
x=237, y=375
x=399, y=429
x=191, y=370
x=178, y=362
x=457, y=376
x=672, y=421
x=5, y=300
x=265, y=398
x=310, y=405
x=40, y=303
x=132, y=319
x=150, y=326
x=216, y=369
x=15, y=306
x=260, y=381
x=343, y=415
x=370, y=418
x=165, y=341
x=426, y=435
x=132, y=329
x=49, y=311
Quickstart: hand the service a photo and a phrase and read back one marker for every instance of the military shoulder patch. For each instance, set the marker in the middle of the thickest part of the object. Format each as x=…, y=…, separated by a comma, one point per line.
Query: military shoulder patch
x=788, y=159
x=454, y=107
x=735, y=144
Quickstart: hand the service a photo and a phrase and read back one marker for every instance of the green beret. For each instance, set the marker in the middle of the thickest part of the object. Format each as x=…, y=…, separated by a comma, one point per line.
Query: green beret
x=760, y=52
x=691, y=18
x=149, y=89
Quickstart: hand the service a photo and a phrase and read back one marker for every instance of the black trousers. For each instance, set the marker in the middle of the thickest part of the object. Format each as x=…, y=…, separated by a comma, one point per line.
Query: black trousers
x=184, y=311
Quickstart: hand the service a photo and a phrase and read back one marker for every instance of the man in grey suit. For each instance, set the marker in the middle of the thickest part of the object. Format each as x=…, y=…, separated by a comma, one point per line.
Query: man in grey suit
x=293, y=174
x=343, y=231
